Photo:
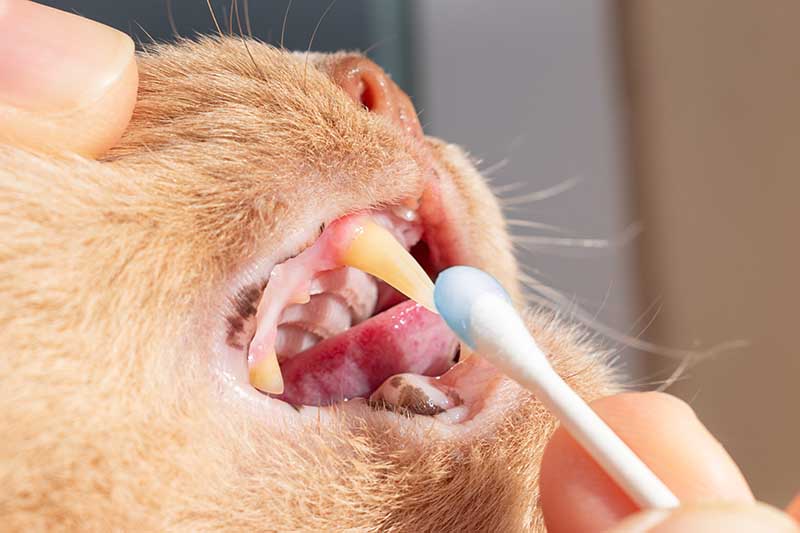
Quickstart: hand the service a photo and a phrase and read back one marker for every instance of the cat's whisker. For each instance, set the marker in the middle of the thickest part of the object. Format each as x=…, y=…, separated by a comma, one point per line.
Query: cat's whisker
x=491, y=169
x=557, y=302
x=529, y=281
x=214, y=17
x=534, y=241
x=500, y=190
x=230, y=17
x=283, y=26
x=532, y=271
x=543, y=194
x=171, y=19
x=533, y=278
x=522, y=223
x=235, y=10
x=652, y=381
x=311, y=40
x=539, y=242
x=244, y=42
x=653, y=310
x=378, y=44
x=152, y=40
x=246, y=5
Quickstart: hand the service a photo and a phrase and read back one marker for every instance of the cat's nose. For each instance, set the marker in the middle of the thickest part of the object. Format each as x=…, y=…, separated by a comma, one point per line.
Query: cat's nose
x=368, y=85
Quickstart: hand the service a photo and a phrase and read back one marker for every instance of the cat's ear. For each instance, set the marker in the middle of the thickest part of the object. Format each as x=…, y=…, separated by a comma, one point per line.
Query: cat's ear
x=367, y=84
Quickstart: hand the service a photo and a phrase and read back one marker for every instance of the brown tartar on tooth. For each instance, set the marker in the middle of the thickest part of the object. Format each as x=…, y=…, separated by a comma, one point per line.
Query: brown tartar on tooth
x=412, y=394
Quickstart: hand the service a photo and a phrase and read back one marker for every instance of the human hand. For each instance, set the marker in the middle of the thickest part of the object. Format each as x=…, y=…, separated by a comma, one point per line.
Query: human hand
x=577, y=495
x=67, y=84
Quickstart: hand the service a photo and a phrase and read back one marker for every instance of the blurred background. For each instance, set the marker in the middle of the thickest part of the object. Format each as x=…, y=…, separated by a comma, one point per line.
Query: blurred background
x=648, y=156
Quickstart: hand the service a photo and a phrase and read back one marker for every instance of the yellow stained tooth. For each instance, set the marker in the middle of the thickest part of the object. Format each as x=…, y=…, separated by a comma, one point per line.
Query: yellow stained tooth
x=375, y=251
x=266, y=374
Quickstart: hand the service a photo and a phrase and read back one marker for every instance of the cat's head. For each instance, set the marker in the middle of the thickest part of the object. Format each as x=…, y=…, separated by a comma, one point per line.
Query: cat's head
x=133, y=283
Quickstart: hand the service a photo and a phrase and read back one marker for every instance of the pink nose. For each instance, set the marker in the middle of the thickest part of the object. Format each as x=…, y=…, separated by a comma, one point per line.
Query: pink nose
x=368, y=85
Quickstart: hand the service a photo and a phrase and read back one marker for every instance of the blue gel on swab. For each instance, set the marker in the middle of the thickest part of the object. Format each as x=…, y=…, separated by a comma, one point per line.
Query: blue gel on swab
x=454, y=292
x=479, y=311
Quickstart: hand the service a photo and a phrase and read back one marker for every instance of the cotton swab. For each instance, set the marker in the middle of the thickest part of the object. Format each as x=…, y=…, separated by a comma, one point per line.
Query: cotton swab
x=479, y=311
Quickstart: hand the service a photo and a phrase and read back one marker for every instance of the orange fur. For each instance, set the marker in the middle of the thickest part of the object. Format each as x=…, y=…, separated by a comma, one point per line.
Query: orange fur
x=110, y=271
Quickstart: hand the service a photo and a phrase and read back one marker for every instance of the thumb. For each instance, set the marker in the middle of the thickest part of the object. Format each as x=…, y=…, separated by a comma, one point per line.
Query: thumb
x=731, y=518
x=66, y=83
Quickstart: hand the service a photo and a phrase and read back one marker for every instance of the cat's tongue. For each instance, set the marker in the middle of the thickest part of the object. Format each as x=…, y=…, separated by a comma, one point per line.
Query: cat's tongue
x=406, y=338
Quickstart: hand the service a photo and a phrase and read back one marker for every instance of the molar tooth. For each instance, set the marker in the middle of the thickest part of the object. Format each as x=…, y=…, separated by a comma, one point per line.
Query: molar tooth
x=375, y=250
x=265, y=375
x=415, y=394
x=291, y=340
x=324, y=316
x=358, y=289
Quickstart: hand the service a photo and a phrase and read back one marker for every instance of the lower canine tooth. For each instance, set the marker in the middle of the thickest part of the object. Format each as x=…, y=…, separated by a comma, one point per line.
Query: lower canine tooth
x=374, y=250
x=265, y=375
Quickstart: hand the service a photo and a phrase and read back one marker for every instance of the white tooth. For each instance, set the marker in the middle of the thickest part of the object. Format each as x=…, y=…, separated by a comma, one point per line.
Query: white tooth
x=291, y=340
x=325, y=316
x=355, y=287
x=406, y=213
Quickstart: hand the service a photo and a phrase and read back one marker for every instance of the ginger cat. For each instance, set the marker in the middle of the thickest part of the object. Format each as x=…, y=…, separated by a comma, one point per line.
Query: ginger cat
x=120, y=408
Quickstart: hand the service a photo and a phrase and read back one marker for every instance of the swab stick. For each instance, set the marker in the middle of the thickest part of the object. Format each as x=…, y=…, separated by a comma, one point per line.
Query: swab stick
x=480, y=312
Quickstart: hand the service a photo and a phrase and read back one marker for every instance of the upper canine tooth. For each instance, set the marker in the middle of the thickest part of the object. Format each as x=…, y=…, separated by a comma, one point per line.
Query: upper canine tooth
x=375, y=250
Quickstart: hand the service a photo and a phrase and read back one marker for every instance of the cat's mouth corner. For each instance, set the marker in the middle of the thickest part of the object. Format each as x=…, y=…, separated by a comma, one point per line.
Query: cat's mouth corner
x=349, y=341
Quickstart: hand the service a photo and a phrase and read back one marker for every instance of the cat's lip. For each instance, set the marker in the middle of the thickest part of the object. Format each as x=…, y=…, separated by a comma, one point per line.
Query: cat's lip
x=478, y=385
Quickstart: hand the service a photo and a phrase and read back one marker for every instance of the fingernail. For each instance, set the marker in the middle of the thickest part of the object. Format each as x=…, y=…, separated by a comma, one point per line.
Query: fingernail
x=53, y=61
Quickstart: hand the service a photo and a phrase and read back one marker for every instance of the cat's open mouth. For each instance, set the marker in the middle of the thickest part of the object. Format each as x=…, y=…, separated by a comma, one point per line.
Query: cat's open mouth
x=340, y=334
x=347, y=341
x=353, y=338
